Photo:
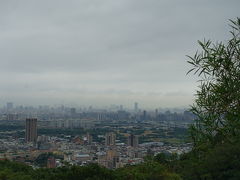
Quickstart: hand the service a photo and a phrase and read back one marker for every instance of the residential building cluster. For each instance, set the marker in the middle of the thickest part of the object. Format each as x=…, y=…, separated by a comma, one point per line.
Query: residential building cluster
x=113, y=151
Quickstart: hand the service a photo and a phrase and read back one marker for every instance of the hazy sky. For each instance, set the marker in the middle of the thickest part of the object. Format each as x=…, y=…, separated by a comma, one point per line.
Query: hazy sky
x=101, y=52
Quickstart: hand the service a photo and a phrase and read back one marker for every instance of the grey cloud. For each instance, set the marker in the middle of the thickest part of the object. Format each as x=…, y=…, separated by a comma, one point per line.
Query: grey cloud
x=105, y=47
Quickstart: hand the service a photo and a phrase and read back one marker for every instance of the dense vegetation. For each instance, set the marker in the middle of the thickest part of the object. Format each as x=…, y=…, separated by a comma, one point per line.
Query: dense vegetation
x=215, y=133
x=148, y=170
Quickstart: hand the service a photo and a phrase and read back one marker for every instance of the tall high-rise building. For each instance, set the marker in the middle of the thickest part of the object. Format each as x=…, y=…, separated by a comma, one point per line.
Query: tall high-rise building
x=156, y=113
x=112, y=158
x=11, y=117
x=31, y=130
x=110, y=139
x=9, y=105
x=100, y=116
x=133, y=140
x=136, y=107
x=144, y=116
x=73, y=112
x=121, y=107
x=89, y=138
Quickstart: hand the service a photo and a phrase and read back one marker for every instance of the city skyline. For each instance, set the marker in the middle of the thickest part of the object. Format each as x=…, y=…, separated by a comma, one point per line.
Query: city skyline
x=134, y=107
x=101, y=53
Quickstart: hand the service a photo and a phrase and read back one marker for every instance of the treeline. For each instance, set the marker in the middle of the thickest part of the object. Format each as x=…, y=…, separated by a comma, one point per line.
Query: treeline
x=220, y=162
x=148, y=170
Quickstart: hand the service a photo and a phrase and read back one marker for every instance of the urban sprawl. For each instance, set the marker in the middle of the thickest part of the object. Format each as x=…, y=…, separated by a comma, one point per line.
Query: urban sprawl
x=56, y=136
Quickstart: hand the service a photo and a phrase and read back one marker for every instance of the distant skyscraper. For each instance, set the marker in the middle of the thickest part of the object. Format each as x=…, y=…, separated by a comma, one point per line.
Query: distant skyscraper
x=100, y=117
x=73, y=112
x=31, y=130
x=144, y=117
x=11, y=117
x=156, y=113
x=9, y=105
x=132, y=140
x=136, y=107
x=89, y=138
x=121, y=107
x=90, y=108
x=110, y=139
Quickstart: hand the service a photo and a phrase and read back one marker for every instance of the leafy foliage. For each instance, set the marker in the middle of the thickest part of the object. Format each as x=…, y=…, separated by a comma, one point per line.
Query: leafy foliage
x=14, y=171
x=216, y=131
x=220, y=162
x=149, y=170
x=217, y=104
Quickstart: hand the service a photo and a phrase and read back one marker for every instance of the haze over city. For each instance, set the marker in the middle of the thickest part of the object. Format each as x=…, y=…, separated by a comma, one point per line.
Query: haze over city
x=105, y=52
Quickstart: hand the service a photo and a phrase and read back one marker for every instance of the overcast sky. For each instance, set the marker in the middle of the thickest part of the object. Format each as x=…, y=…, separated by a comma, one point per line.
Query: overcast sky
x=102, y=52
